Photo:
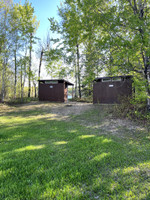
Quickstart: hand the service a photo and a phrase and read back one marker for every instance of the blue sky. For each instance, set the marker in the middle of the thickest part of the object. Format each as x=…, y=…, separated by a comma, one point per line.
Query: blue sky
x=44, y=9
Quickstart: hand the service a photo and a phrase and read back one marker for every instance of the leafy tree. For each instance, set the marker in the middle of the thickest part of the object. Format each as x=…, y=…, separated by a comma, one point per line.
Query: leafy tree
x=31, y=26
x=122, y=31
x=71, y=29
x=4, y=41
x=23, y=62
x=17, y=28
x=16, y=41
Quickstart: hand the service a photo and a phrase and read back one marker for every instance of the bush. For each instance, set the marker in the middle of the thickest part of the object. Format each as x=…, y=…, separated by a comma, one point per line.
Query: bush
x=21, y=101
x=129, y=108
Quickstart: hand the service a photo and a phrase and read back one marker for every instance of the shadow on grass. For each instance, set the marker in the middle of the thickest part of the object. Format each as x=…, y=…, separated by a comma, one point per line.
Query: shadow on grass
x=50, y=159
x=22, y=113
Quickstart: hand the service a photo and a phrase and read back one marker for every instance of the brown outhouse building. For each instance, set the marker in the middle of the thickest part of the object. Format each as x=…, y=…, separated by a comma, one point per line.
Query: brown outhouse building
x=54, y=90
x=109, y=90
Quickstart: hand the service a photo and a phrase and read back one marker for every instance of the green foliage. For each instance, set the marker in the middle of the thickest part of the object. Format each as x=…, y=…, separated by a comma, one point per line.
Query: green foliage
x=133, y=109
x=18, y=101
x=18, y=23
x=85, y=98
x=56, y=69
x=113, y=35
x=140, y=90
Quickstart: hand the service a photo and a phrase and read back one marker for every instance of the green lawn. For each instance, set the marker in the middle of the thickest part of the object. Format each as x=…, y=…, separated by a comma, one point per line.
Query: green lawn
x=43, y=156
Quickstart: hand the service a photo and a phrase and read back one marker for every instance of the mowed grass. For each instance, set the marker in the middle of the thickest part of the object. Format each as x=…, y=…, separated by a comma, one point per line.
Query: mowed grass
x=44, y=157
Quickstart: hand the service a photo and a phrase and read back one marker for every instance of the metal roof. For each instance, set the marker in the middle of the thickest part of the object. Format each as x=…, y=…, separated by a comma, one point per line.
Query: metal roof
x=127, y=76
x=59, y=80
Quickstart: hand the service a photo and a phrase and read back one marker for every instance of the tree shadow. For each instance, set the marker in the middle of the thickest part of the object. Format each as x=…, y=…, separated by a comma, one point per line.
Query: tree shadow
x=64, y=160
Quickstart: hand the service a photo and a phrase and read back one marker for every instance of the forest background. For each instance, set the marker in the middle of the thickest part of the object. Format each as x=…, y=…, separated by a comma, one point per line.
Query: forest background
x=96, y=37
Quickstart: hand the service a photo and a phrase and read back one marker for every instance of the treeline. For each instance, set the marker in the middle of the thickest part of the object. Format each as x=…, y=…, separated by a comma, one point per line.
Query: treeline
x=105, y=36
x=18, y=45
x=18, y=26
x=96, y=37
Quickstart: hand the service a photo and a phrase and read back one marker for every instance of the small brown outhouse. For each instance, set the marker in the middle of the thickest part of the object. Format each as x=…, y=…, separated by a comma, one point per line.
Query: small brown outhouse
x=109, y=90
x=54, y=90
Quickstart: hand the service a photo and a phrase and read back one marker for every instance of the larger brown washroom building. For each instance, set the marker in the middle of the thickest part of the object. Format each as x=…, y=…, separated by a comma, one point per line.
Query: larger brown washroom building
x=110, y=90
x=54, y=90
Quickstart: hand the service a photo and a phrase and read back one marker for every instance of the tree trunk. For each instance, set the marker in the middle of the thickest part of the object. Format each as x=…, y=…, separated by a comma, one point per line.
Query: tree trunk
x=22, y=84
x=3, y=81
x=35, y=91
x=78, y=68
x=32, y=91
x=76, y=80
x=15, y=56
x=22, y=87
x=30, y=63
x=147, y=66
x=39, y=74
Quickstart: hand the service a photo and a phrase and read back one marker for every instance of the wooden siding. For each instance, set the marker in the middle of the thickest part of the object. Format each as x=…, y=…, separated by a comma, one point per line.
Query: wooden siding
x=112, y=91
x=51, y=92
x=65, y=92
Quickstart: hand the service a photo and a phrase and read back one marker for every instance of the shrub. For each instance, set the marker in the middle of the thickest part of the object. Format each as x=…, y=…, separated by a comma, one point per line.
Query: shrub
x=131, y=109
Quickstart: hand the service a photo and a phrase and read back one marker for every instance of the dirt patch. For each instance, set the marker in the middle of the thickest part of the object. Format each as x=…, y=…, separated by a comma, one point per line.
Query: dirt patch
x=60, y=109
x=122, y=128
x=99, y=118
x=71, y=109
x=95, y=117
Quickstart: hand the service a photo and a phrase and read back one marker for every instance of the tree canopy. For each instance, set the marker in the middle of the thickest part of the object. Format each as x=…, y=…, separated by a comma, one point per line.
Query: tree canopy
x=109, y=37
x=113, y=37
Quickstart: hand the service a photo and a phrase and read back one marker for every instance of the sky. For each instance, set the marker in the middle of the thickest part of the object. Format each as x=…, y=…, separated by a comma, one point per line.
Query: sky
x=44, y=9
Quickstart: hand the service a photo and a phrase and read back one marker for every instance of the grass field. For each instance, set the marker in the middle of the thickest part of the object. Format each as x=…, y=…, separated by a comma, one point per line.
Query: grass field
x=45, y=154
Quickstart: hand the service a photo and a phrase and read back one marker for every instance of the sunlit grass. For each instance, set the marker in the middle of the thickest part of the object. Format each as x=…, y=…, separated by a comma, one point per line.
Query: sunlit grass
x=43, y=157
x=86, y=136
x=101, y=156
x=60, y=142
x=30, y=147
